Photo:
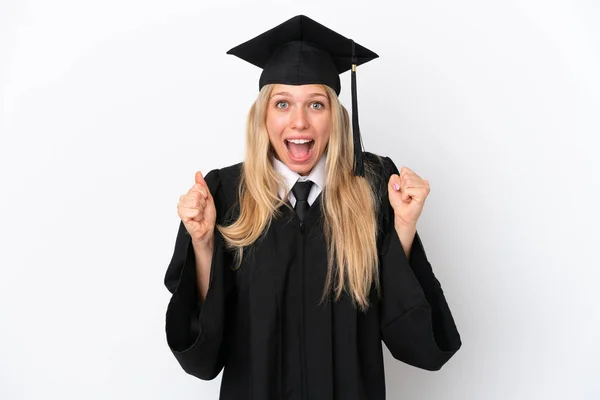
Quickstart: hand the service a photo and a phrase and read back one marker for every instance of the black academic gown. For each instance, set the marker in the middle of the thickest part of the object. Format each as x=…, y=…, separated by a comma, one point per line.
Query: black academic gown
x=263, y=322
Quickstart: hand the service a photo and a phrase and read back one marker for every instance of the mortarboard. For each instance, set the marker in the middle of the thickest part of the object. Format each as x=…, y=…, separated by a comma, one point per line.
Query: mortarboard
x=301, y=51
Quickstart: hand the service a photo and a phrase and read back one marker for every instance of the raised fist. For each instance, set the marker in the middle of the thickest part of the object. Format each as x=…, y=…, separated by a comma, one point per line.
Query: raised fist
x=197, y=210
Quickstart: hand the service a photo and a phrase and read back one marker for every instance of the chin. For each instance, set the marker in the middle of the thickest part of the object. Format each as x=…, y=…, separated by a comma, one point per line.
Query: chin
x=300, y=169
x=303, y=170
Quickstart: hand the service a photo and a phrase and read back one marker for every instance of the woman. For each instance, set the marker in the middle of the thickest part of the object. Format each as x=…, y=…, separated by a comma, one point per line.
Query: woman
x=290, y=268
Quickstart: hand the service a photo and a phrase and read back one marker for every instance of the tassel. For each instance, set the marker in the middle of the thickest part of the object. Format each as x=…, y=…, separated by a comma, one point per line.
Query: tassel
x=359, y=168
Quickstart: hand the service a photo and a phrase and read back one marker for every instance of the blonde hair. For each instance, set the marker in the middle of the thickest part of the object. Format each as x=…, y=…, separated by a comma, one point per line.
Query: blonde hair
x=349, y=203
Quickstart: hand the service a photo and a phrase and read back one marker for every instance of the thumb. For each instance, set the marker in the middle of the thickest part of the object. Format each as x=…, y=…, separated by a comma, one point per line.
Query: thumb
x=394, y=183
x=200, y=181
x=199, y=178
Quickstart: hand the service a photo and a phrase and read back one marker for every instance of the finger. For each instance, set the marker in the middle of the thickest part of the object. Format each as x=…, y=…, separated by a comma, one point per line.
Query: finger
x=193, y=202
x=416, y=194
x=190, y=213
x=406, y=170
x=199, y=188
x=199, y=178
x=186, y=219
x=200, y=181
x=394, y=183
x=413, y=182
x=193, y=193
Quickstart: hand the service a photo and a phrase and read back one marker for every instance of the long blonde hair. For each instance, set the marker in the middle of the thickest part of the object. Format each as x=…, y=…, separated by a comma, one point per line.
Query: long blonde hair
x=348, y=203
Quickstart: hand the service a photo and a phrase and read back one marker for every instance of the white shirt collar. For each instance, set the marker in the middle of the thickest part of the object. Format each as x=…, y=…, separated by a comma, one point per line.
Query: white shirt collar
x=317, y=176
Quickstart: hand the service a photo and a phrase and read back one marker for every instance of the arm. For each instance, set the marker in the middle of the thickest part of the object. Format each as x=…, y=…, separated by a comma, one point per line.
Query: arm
x=203, y=256
x=416, y=322
x=406, y=234
x=196, y=325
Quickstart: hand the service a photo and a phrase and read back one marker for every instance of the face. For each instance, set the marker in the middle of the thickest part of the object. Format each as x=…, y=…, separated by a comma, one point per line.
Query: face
x=299, y=125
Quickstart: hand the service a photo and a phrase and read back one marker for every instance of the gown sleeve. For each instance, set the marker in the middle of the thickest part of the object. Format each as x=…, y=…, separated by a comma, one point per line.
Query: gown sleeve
x=195, y=329
x=416, y=322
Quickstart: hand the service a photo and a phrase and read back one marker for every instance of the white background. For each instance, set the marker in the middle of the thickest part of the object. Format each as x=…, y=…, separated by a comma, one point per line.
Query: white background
x=108, y=108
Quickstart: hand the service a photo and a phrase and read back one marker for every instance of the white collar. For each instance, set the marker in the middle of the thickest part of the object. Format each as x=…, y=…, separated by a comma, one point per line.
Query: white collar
x=317, y=176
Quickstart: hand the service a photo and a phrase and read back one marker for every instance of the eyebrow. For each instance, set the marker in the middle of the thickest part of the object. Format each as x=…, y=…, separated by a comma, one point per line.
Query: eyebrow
x=287, y=94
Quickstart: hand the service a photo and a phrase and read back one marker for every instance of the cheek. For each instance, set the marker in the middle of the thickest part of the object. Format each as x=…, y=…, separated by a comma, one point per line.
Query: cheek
x=324, y=130
x=276, y=121
x=274, y=128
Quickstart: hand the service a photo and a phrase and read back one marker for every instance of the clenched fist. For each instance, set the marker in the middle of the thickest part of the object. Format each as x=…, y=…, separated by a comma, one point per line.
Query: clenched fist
x=407, y=194
x=197, y=210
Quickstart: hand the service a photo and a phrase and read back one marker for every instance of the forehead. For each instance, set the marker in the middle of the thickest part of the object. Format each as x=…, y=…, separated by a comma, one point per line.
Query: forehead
x=298, y=90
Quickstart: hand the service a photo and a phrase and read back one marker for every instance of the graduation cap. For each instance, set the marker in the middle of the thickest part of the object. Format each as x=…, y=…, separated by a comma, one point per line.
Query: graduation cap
x=301, y=51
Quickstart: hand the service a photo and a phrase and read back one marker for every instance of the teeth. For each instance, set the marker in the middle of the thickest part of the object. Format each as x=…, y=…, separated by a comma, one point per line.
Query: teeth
x=299, y=141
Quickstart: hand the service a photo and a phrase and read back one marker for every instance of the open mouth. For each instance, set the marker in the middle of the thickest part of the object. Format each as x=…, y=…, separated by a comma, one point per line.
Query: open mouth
x=299, y=149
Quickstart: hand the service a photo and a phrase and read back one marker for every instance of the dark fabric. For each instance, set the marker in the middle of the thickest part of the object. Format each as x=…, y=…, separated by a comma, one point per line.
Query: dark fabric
x=301, y=51
x=265, y=327
x=301, y=191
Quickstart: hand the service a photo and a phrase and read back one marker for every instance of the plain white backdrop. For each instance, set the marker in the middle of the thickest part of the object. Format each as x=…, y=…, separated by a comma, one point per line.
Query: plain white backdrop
x=108, y=108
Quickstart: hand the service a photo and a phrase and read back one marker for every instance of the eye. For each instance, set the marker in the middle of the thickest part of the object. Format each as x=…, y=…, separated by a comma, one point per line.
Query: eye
x=317, y=105
x=281, y=104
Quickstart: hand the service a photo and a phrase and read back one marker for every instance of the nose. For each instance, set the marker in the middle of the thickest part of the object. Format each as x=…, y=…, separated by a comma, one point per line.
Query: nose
x=299, y=119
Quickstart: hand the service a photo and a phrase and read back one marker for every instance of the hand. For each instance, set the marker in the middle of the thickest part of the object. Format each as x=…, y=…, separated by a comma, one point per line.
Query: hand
x=197, y=210
x=407, y=194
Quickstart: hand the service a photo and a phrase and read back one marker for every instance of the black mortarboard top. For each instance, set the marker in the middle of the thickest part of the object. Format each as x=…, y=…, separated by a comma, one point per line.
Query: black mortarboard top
x=301, y=51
